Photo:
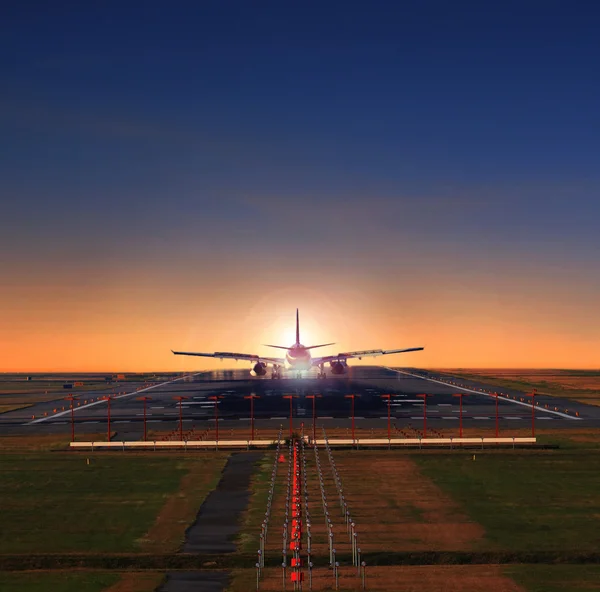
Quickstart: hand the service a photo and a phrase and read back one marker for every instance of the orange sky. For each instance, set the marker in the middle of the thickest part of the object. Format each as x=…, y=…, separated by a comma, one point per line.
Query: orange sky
x=130, y=323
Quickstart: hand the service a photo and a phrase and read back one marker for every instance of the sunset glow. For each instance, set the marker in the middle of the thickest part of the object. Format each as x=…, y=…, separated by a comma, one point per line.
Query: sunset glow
x=402, y=178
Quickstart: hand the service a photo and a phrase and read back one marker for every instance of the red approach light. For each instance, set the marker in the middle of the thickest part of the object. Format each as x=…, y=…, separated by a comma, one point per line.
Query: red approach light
x=281, y=458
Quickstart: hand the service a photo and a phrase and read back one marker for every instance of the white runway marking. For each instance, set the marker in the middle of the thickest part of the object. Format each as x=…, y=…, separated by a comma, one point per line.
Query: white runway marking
x=478, y=417
x=75, y=409
x=484, y=394
x=444, y=404
x=156, y=407
x=451, y=417
x=512, y=417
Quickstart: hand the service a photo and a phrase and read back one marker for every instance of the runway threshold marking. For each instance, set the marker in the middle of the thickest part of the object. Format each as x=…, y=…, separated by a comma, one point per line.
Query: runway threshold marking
x=468, y=390
x=87, y=405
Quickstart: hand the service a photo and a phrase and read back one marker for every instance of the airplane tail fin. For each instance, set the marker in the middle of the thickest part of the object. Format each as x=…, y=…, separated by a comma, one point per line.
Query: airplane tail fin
x=297, y=327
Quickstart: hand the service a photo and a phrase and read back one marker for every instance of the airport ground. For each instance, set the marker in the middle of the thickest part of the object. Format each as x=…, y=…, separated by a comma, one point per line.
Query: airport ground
x=514, y=520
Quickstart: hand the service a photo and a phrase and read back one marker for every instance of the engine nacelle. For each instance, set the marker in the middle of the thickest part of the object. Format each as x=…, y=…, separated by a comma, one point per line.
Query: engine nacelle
x=259, y=369
x=338, y=367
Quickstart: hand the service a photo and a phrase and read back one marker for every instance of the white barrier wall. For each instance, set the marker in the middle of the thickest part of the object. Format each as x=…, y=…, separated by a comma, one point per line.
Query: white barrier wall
x=399, y=442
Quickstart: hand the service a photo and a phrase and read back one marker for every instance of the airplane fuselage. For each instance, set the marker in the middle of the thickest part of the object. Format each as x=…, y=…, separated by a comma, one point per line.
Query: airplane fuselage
x=298, y=357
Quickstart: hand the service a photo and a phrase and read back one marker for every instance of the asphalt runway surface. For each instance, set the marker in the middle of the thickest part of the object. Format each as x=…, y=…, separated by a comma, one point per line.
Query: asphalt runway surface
x=333, y=408
x=218, y=520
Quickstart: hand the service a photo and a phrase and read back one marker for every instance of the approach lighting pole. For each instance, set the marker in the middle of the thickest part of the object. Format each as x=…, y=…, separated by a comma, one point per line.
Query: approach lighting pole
x=252, y=397
x=497, y=416
x=532, y=395
x=181, y=399
x=460, y=415
x=424, y=397
x=216, y=398
x=72, y=398
x=291, y=397
x=108, y=399
x=352, y=397
x=314, y=415
x=145, y=399
x=389, y=406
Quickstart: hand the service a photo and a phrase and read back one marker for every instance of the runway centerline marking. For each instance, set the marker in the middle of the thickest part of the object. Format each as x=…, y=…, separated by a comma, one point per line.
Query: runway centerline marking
x=85, y=406
x=468, y=390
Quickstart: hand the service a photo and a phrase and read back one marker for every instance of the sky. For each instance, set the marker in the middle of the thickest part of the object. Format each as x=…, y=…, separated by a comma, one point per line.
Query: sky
x=184, y=175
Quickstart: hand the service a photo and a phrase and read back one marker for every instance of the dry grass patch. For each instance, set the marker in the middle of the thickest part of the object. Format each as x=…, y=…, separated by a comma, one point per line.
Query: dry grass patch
x=137, y=582
x=579, y=385
x=444, y=578
x=397, y=508
x=39, y=442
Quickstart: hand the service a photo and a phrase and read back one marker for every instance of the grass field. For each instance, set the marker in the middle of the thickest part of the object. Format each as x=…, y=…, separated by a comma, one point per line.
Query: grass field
x=443, y=578
x=114, y=504
x=555, y=578
x=529, y=501
x=579, y=385
x=67, y=581
x=80, y=581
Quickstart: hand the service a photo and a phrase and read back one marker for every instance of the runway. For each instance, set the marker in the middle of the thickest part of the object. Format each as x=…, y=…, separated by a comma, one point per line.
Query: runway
x=333, y=407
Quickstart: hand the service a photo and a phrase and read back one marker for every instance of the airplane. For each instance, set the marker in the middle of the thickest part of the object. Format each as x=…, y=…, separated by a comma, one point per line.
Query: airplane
x=298, y=358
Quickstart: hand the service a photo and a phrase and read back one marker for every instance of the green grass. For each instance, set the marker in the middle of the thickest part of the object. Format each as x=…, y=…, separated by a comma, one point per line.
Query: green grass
x=526, y=501
x=56, y=503
x=555, y=578
x=257, y=504
x=69, y=581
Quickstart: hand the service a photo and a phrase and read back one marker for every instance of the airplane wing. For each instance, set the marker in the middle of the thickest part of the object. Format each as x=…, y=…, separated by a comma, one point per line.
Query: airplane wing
x=233, y=356
x=362, y=354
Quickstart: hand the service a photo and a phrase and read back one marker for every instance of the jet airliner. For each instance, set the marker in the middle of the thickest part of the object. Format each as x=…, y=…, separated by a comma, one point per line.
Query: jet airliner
x=299, y=358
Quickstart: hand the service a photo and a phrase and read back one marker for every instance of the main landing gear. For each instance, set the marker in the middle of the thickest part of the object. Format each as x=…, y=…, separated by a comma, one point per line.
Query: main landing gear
x=321, y=373
x=276, y=374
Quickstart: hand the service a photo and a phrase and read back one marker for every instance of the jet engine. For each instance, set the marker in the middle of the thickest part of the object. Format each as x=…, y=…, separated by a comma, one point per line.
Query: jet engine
x=259, y=369
x=338, y=367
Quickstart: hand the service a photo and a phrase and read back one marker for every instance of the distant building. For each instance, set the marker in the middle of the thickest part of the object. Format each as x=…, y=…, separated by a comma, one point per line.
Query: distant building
x=120, y=376
x=67, y=385
x=79, y=383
